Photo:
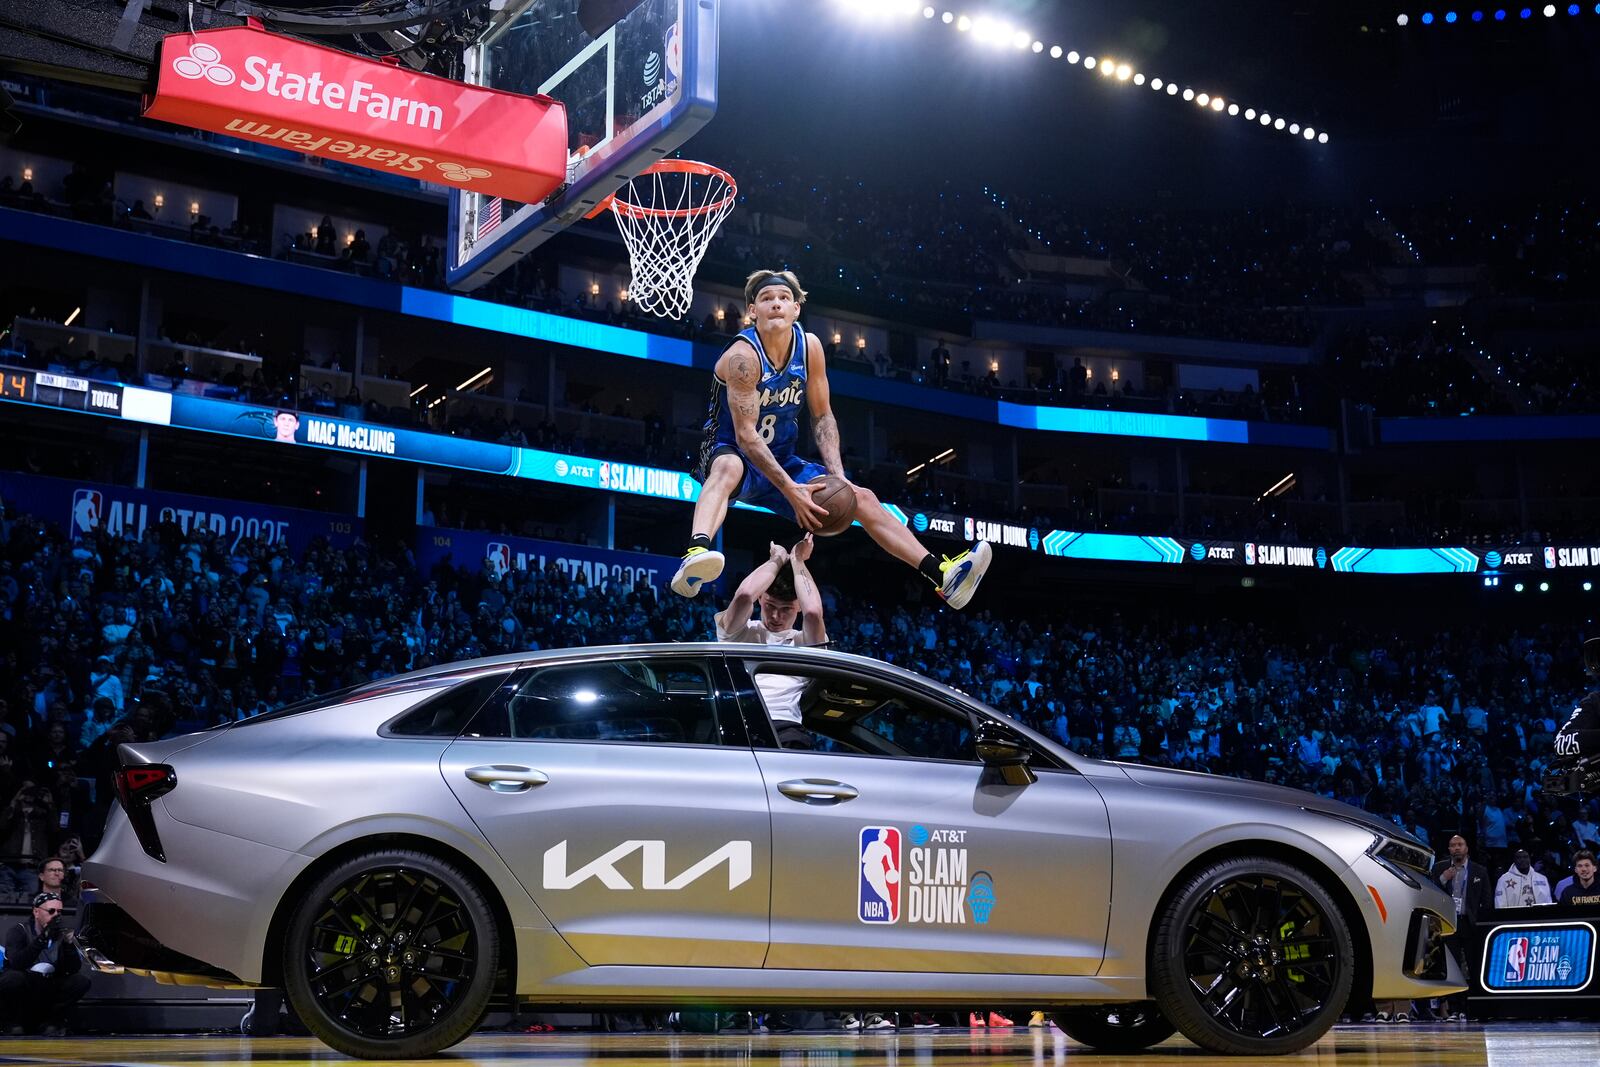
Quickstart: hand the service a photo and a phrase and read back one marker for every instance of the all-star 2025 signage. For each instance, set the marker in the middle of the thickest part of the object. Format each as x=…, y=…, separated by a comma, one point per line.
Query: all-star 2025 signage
x=258, y=86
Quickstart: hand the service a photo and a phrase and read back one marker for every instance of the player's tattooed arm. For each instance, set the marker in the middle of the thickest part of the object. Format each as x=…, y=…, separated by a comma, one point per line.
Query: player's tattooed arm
x=807, y=595
x=824, y=427
x=743, y=376
x=825, y=431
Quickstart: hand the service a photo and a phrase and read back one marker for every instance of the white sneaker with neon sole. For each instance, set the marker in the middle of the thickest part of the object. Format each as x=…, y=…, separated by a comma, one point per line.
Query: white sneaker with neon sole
x=699, y=566
x=963, y=573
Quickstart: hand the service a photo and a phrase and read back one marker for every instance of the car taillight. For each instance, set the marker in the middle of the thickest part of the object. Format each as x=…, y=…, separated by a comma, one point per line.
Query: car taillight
x=137, y=786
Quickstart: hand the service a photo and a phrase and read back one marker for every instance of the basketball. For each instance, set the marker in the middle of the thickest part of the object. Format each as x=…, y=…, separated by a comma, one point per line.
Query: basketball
x=838, y=497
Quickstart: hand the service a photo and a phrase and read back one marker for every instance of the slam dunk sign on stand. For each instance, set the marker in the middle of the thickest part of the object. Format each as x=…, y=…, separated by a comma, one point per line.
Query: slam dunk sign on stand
x=251, y=84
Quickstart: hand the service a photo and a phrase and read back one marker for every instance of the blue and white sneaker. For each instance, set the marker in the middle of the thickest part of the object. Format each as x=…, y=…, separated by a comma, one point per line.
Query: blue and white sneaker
x=699, y=566
x=963, y=573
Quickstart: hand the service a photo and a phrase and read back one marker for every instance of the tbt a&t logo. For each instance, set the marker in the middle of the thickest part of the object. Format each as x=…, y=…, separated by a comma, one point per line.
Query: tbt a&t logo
x=878, y=899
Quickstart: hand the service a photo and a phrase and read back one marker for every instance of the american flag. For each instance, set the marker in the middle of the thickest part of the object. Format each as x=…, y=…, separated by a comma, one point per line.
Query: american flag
x=488, y=216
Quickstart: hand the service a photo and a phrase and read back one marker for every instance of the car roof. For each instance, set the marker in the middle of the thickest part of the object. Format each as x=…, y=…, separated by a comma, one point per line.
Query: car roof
x=820, y=657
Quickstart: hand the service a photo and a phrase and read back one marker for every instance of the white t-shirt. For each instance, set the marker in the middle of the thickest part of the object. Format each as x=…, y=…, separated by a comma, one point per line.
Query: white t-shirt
x=781, y=692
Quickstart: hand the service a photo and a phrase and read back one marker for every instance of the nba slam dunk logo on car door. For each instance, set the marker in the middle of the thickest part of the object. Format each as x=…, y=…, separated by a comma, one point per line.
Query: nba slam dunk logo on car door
x=878, y=898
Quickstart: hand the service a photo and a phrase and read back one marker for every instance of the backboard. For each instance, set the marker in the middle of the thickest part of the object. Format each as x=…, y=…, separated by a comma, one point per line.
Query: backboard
x=633, y=94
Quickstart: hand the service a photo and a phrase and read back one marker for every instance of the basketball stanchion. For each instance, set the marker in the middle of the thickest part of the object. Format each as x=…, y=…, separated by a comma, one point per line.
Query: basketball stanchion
x=668, y=215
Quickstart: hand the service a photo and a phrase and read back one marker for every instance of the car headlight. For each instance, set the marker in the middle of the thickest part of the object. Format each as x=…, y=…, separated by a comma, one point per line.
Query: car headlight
x=1406, y=860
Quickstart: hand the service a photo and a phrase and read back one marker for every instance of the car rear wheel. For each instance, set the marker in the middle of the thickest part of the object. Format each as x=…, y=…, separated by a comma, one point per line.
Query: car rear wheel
x=1252, y=957
x=391, y=954
x=1116, y=1027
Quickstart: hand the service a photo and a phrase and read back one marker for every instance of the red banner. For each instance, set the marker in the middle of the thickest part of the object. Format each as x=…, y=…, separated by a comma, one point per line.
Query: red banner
x=257, y=86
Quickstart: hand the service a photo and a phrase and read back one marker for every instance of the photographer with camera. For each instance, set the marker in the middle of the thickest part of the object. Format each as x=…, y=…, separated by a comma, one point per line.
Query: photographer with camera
x=43, y=976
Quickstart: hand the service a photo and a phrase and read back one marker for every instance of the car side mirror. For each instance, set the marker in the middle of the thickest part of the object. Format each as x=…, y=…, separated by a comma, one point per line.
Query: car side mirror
x=1005, y=751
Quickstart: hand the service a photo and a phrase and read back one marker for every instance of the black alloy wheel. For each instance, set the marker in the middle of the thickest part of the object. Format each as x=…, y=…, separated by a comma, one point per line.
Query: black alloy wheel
x=1116, y=1027
x=1252, y=957
x=391, y=954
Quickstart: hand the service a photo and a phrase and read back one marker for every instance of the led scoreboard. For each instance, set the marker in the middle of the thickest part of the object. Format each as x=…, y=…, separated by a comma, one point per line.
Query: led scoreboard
x=60, y=391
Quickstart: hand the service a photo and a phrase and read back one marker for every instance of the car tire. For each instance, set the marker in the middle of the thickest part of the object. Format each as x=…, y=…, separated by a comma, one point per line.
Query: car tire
x=1116, y=1027
x=1252, y=957
x=431, y=945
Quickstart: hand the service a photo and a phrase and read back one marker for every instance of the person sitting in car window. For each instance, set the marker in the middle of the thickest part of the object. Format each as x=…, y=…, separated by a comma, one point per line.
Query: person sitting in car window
x=785, y=590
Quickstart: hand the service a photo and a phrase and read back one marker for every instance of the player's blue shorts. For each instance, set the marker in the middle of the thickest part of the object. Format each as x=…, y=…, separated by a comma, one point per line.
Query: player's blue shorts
x=758, y=490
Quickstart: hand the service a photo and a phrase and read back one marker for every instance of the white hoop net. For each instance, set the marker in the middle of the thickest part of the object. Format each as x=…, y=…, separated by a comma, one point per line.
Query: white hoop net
x=668, y=216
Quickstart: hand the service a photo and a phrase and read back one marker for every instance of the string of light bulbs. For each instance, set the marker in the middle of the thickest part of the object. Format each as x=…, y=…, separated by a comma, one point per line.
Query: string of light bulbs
x=1499, y=14
x=1000, y=33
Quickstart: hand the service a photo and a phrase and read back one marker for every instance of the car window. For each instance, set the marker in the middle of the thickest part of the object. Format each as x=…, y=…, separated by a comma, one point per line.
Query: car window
x=446, y=714
x=636, y=701
x=852, y=714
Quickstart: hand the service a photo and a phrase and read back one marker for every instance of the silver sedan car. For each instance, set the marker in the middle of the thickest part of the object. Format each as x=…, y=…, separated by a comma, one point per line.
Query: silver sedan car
x=610, y=827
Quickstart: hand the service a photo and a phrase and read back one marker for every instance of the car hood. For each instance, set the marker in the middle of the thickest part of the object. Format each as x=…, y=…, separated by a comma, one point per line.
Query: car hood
x=1240, y=789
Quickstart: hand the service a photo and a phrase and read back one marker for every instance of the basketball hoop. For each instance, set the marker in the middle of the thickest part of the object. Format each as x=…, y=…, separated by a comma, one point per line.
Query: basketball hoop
x=668, y=215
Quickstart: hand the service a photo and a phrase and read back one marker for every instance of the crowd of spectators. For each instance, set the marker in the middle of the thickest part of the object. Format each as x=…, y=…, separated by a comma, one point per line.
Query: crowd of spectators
x=1542, y=247
x=1420, y=369
x=112, y=638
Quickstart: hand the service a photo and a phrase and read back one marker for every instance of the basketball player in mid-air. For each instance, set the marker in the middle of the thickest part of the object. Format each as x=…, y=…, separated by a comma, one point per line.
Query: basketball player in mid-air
x=748, y=453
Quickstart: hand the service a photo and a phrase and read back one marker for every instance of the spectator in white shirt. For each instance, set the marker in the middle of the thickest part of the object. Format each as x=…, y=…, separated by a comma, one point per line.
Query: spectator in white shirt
x=1521, y=886
x=1585, y=829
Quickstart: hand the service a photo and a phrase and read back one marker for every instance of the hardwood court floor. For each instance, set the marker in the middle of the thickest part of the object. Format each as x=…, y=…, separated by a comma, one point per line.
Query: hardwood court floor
x=1492, y=1045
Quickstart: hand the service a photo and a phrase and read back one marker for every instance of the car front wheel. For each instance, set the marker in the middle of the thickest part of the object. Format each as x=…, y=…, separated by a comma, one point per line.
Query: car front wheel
x=391, y=954
x=1116, y=1027
x=1252, y=957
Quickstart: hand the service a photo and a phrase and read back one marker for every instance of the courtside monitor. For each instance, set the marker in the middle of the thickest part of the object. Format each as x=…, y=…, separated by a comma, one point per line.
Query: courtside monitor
x=634, y=92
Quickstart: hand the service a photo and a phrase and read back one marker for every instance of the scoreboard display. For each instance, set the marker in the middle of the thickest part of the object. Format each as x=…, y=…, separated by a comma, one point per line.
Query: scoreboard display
x=60, y=391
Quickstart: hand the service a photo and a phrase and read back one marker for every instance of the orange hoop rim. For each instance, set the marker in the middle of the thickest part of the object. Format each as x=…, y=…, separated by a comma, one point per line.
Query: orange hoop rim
x=672, y=166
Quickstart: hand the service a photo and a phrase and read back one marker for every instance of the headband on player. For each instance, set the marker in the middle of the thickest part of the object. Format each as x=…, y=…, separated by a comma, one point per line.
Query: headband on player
x=775, y=279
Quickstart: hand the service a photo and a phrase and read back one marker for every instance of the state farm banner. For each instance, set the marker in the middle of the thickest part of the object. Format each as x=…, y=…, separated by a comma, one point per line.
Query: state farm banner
x=258, y=86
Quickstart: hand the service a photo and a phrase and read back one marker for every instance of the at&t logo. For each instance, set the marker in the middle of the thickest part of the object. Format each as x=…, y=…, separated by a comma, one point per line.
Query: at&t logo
x=919, y=521
x=1197, y=551
x=652, y=68
x=1492, y=560
x=204, y=61
x=561, y=468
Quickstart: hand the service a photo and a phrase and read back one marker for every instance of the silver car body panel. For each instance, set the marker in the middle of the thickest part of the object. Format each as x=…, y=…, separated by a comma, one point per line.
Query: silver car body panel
x=668, y=873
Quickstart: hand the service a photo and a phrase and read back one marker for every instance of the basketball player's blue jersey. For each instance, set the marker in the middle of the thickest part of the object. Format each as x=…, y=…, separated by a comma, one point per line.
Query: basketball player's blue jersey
x=780, y=393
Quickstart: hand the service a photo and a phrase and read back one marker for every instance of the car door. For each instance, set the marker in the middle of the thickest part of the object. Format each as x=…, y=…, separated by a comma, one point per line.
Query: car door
x=894, y=848
x=629, y=810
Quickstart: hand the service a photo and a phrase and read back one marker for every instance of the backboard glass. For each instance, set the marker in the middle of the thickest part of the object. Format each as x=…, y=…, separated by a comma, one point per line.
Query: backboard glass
x=632, y=94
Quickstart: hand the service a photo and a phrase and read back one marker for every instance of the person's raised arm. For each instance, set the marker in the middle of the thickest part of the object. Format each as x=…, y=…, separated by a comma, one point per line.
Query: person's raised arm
x=824, y=427
x=758, y=581
x=740, y=369
x=807, y=595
